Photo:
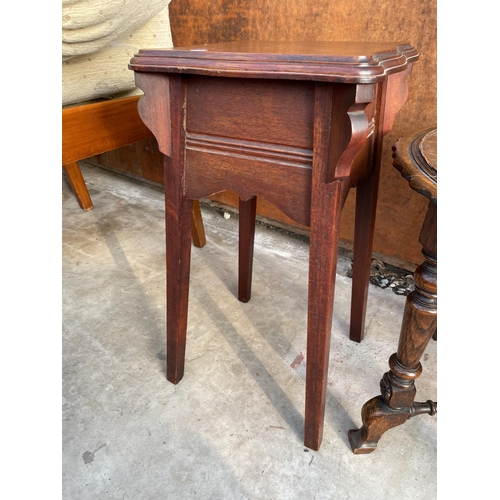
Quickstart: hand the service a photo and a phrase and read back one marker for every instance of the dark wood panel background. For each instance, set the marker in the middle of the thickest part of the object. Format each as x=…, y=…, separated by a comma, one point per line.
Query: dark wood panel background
x=400, y=211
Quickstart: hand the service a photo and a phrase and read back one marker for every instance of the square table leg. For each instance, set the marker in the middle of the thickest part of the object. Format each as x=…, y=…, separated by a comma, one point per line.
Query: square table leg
x=178, y=225
x=364, y=228
x=247, y=213
x=323, y=252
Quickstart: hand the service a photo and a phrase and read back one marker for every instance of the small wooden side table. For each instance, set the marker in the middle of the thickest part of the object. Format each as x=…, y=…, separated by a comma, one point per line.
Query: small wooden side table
x=296, y=123
x=416, y=158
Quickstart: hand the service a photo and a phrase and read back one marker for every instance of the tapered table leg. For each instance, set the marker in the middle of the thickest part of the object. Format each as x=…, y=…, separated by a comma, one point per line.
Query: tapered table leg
x=178, y=233
x=364, y=229
x=366, y=202
x=178, y=225
x=247, y=212
x=323, y=252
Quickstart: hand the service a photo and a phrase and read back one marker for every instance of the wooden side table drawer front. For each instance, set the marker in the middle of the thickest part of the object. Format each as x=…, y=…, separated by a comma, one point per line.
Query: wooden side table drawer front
x=296, y=123
x=251, y=136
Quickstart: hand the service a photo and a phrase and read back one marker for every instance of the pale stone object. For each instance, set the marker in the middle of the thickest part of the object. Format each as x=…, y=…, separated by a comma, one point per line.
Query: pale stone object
x=99, y=37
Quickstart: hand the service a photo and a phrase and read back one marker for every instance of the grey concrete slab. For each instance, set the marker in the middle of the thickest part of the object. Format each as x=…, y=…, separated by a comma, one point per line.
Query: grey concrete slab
x=232, y=428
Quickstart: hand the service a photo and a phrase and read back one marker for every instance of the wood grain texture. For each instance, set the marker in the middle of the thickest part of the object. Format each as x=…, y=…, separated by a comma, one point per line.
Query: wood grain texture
x=207, y=174
x=326, y=206
x=282, y=110
x=178, y=227
x=77, y=183
x=299, y=60
x=246, y=222
x=91, y=129
x=158, y=112
x=198, y=229
x=400, y=211
x=216, y=148
x=364, y=227
x=416, y=158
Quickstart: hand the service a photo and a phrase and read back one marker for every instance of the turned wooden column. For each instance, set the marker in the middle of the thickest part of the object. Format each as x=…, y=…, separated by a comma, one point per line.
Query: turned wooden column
x=416, y=159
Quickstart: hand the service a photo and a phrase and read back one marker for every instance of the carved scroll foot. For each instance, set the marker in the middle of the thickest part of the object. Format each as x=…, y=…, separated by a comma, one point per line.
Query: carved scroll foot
x=378, y=418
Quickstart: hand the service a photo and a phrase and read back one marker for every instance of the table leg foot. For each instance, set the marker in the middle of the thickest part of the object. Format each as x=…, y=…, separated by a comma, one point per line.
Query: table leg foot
x=378, y=418
x=178, y=231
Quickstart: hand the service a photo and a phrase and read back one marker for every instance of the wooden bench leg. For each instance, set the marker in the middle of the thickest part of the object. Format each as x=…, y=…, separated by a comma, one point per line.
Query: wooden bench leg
x=77, y=183
x=247, y=212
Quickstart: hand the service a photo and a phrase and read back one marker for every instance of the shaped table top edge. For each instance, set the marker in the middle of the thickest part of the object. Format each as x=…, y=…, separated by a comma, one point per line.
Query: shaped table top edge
x=349, y=62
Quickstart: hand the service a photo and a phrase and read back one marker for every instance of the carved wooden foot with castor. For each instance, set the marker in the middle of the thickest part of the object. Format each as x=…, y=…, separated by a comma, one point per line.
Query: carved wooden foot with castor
x=378, y=416
x=416, y=159
x=396, y=404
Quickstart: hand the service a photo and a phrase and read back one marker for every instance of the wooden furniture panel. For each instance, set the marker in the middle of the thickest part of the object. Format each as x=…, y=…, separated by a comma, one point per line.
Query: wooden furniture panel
x=208, y=21
x=91, y=129
x=211, y=111
x=205, y=169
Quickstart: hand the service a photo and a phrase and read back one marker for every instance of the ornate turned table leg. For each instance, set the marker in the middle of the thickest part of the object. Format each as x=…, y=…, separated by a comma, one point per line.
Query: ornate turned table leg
x=396, y=403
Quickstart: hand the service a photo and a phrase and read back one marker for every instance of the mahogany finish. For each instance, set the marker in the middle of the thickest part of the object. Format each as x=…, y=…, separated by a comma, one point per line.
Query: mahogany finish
x=196, y=22
x=247, y=214
x=209, y=21
x=416, y=159
x=298, y=124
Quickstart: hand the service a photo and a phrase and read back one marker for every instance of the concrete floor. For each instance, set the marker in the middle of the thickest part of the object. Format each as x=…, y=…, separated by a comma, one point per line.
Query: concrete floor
x=232, y=428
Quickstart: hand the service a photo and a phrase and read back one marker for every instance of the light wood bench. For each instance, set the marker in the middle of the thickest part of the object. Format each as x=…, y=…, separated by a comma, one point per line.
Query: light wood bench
x=94, y=128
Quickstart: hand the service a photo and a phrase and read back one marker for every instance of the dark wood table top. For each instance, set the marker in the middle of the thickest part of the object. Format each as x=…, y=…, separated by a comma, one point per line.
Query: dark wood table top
x=349, y=62
x=416, y=158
